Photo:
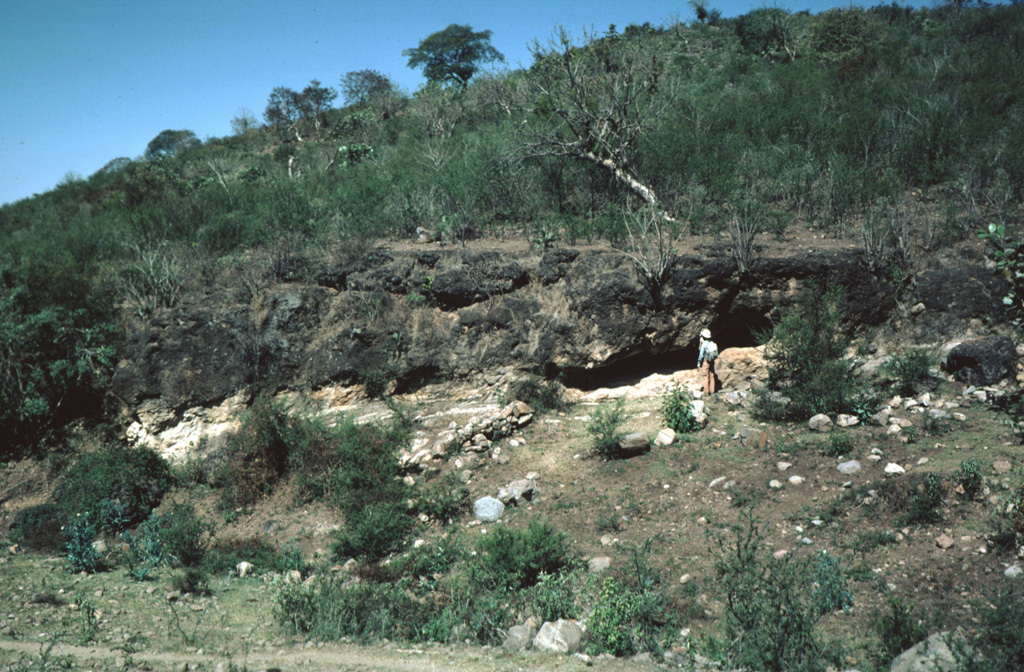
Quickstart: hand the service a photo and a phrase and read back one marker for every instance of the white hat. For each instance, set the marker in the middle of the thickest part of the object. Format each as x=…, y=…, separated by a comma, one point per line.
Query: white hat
x=706, y=333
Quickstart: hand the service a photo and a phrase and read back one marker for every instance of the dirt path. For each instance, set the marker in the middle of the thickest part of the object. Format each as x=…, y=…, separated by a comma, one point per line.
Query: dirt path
x=311, y=659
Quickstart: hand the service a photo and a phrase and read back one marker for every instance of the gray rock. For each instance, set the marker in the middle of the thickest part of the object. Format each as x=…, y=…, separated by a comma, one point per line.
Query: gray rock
x=665, y=437
x=517, y=491
x=931, y=655
x=849, y=468
x=1013, y=572
x=599, y=564
x=982, y=361
x=733, y=398
x=634, y=444
x=844, y=420
x=562, y=636
x=820, y=423
x=700, y=415
x=519, y=637
x=488, y=509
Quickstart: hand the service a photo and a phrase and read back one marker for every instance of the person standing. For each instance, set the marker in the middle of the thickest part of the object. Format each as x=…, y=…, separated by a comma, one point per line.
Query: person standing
x=706, y=357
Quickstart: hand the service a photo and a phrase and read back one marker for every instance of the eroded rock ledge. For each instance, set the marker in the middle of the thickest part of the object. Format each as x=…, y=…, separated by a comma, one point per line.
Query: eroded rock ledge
x=403, y=319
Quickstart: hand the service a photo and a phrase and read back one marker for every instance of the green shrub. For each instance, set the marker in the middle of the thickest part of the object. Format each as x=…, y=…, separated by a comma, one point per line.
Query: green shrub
x=899, y=626
x=999, y=643
x=1008, y=253
x=678, y=411
x=193, y=580
x=910, y=369
x=368, y=469
x=919, y=497
x=969, y=477
x=805, y=350
x=185, y=536
x=377, y=381
x=631, y=613
x=145, y=550
x=556, y=596
x=770, y=621
x=56, y=357
x=39, y=528
x=374, y=532
x=292, y=559
x=515, y=559
x=81, y=554
x=605, y=426
x=839, y=444
x=764, y=31
x=830, y=589
x=428, y=563
x=118, y=486
x=224, y=556
x=839, y=34
x=444, y=500
x=313, y=454
x=539, y=393
x=257, y=454
x=609, y=623
x=364, y=612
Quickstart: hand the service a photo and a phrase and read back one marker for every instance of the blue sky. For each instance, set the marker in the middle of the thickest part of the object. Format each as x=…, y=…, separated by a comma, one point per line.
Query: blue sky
x=86, y=81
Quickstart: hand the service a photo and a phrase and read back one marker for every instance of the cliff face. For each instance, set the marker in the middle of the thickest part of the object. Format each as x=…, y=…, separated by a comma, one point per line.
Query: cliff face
x=397, y=319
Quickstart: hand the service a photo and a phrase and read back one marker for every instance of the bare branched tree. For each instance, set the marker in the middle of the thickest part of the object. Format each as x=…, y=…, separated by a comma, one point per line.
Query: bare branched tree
x=440, y=111
x=595, y=102
x=744, y=223
x=649, y=245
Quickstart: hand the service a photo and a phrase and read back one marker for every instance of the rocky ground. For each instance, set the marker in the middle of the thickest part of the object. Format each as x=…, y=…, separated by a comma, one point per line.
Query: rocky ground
x=482, y=322
x=677, y=494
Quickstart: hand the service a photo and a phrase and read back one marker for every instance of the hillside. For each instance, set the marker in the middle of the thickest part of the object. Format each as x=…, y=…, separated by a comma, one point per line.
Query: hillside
x=284, y=347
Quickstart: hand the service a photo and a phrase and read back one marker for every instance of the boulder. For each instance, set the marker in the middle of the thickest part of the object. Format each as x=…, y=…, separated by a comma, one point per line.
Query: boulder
x=665, y=437
x=982, y=361
x=561, y=636
x=844, y=420
x=734, y=397
x=820, y=423
x=634, y=444
x=488, y=509
x=519, y=637
x=931, y=655
x=738, y=366
x=849, y=468
x=700, y=415
x=517, y=491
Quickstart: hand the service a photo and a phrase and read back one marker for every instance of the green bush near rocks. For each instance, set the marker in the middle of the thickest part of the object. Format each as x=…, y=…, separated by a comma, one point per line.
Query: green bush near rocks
x=117, y=486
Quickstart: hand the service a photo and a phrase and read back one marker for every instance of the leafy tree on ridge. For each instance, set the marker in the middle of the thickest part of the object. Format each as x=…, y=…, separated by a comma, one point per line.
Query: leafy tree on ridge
x=453, y=55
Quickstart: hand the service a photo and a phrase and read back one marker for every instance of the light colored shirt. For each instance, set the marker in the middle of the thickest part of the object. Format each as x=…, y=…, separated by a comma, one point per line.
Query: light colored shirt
x=702, y=354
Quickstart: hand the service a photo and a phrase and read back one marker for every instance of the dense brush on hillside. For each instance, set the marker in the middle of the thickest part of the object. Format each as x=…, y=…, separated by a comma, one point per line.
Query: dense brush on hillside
x=832, y=121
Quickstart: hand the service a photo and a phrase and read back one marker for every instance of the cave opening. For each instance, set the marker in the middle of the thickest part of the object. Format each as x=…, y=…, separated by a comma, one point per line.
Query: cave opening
x=740, y=332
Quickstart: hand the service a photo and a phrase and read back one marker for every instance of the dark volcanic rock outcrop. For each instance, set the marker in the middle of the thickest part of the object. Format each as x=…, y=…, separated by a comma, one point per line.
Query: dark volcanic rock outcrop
x=408, y=317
